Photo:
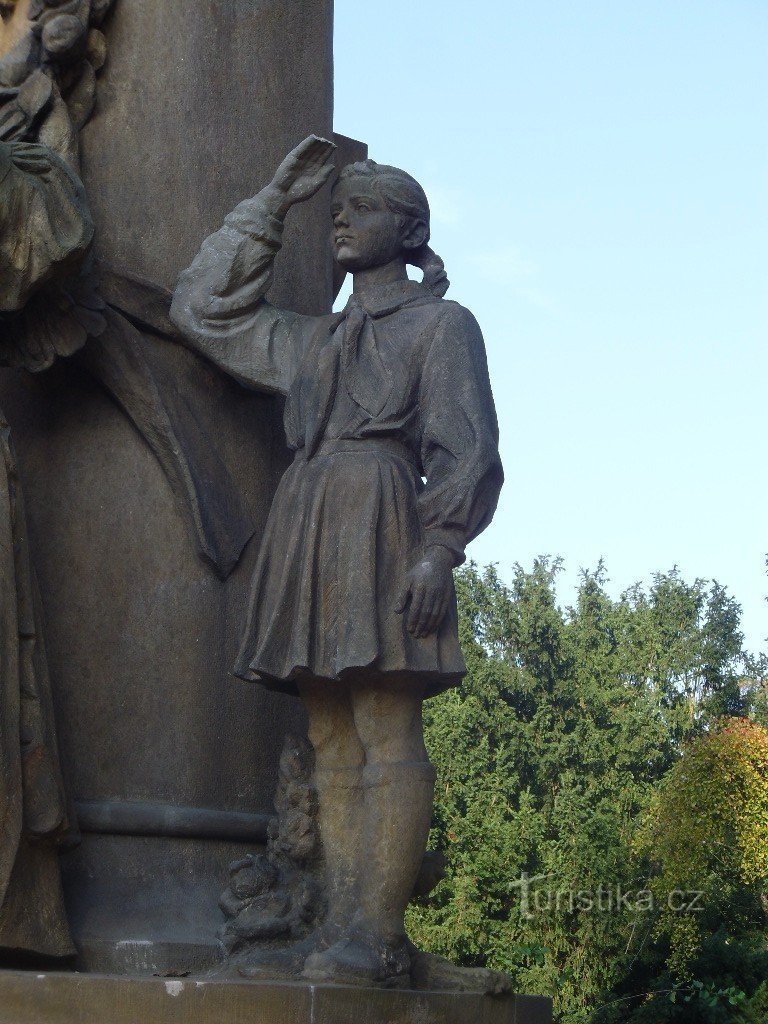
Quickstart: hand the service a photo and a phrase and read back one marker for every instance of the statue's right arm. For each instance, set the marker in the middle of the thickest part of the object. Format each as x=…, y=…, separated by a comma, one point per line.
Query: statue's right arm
x=219, y=303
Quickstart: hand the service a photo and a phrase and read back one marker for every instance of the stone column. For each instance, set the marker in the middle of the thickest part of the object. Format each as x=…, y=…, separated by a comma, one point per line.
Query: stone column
x=171, y=761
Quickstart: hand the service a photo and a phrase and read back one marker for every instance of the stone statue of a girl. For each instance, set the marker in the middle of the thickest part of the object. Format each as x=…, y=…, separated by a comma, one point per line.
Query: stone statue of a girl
x=390, y=415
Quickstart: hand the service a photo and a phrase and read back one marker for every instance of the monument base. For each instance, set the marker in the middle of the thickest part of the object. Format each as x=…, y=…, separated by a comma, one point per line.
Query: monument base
x=27, y=997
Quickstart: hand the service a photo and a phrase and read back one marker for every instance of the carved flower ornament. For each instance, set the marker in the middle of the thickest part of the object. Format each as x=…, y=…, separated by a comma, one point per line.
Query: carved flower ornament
x=61, y=42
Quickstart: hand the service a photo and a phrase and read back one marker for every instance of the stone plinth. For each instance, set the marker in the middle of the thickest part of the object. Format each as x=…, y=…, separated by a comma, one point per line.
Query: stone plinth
x=28, y=998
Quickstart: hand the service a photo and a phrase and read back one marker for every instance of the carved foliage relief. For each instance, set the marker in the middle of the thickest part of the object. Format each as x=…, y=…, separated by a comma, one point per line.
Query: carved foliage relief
x=50, y=54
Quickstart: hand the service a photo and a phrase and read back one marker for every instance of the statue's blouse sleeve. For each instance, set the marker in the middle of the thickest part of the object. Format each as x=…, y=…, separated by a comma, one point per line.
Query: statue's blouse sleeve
x=219, y=303
x=459, y=435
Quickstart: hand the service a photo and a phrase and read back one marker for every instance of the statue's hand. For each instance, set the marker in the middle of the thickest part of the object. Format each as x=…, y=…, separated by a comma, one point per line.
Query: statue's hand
x=303, y=172
x=427, y=592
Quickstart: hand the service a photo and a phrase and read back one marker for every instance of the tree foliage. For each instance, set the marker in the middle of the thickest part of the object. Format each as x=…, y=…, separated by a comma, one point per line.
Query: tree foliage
x=549, y=757
x=707, y=829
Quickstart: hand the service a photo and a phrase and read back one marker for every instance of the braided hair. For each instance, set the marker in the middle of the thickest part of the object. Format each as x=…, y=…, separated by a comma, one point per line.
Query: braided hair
x=403, y=195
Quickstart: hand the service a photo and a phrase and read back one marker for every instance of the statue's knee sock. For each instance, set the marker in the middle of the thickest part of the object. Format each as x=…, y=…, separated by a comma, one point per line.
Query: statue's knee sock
x=398, y=814
x=340, y=801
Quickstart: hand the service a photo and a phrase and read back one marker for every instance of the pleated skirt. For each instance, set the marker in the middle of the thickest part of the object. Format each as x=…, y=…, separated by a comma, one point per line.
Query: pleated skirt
x=341, y=536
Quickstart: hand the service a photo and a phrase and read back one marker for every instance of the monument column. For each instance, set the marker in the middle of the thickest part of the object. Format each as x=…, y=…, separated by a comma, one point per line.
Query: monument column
x=171, y=761
x=197, y=107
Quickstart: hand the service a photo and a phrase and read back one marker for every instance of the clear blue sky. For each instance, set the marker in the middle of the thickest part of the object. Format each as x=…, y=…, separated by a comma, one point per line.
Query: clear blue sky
x=598, y=173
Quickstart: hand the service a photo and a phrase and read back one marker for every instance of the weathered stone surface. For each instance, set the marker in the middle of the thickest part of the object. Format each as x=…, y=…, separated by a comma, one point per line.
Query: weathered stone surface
x=77, y=999
x=192, y=110
x=277, y=895
x=147, y=905
x=45, y=231
x=195, y=108
x=50, y=54
x=13, y=23
x=139, y=641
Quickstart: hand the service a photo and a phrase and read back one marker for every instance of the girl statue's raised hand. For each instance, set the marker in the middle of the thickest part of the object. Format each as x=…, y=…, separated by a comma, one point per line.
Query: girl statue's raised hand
x=303, y=173
x=390, y=416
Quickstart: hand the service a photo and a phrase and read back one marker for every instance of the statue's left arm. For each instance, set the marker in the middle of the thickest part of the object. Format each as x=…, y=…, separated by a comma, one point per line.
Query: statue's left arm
x=459, y=446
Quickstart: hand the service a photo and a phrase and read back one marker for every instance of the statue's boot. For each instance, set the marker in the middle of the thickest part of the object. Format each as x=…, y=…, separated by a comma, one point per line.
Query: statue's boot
x=271, y=962
x=340, y=803
x=398, y=810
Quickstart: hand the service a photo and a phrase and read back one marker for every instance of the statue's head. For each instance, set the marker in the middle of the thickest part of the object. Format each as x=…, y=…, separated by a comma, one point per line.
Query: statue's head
x=380, y=213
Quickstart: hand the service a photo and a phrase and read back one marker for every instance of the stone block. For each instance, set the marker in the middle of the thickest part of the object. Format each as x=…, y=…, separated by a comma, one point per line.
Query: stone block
x=29, y=998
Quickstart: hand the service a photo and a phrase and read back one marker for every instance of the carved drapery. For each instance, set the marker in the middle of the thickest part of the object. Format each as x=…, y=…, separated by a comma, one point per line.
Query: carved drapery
x=51, y=52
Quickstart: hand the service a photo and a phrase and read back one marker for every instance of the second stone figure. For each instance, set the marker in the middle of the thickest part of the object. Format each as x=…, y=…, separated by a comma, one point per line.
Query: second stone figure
x=396, y=469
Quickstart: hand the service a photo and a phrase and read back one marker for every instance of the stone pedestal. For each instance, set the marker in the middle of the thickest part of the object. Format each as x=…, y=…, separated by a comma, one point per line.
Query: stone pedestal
x=77, y=999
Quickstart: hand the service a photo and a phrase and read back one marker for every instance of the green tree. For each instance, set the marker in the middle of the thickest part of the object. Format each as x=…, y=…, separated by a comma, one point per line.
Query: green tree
x=707, y=828
x=548, y=756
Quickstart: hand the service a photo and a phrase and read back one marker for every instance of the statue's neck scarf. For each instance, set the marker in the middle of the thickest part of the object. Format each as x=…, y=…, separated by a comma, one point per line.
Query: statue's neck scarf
x=353, y=358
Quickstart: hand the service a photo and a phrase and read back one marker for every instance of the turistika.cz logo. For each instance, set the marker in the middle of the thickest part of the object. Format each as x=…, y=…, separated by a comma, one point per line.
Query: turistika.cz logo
x=538, y=898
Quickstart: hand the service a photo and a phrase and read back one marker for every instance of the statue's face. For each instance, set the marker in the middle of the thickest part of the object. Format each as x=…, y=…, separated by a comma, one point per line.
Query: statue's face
x=13, y=23
x=365, y=233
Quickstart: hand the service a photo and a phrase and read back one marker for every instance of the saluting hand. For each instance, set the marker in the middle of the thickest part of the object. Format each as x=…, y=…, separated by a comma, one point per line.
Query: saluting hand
x=303, y=172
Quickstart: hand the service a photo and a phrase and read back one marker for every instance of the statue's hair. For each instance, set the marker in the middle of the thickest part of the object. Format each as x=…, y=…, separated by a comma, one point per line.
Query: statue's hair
x=403, y=195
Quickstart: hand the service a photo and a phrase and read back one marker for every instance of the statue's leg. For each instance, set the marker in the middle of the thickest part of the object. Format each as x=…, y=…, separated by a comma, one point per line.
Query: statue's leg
x=399, y=791
x=338, y=781
x=339, y=758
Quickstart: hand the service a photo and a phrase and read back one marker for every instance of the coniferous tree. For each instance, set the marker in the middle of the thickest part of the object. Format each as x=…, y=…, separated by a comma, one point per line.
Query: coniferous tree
x=548, y=758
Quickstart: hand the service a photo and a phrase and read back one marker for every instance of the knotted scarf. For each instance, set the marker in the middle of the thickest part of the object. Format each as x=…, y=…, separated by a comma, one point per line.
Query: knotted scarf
x=352, y=358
